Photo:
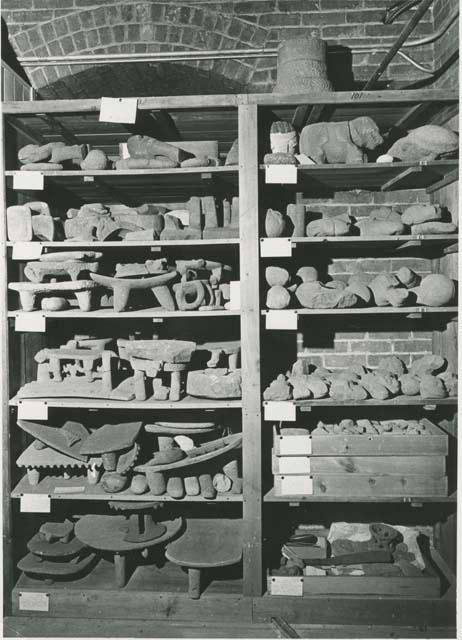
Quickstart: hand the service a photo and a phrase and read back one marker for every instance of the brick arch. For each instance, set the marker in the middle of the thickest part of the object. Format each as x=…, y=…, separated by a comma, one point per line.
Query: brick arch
x=141, y=27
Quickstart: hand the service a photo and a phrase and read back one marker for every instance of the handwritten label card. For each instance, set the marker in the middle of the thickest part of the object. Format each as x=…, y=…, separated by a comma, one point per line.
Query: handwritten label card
x=33, y=601
x=286, y=586
x=280, y=411
x=28, y=180
x=32, y=322
x=118, y=110
x=32, y=410
x=281, y=319
x=35, y=503
x=275, y=248
x=281, y=174
x=26, y=250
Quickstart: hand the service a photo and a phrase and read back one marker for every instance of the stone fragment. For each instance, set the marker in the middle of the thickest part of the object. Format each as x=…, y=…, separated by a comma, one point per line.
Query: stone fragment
x=54, y=303
x=279, y=389
x=212, y=383
x=385, y=214
x=42, y=166
x=156, y=482
x=419, y=213
x=276, y=276
x=139, y=484
x=425, y=143
x=145, y=163
x=76, y=153
x=450, y=382
x=408, y=277
x=392, y=364
x=95, y=160
x=380, y=227
x=347, y=390
x=175, y=487
x=432, y=387
x=410, y=385
x=232, y=156
x=313, y=295
x=328, y=227
x=308, y=274
x=113, y=482
x=277, y=298
x=296, y=213
x=433, y=228
x=275, y=224
x=19, y=223
x=34, y=153
x=192, y=486
x=429, y=364
x=436, y=290
x=145, y=147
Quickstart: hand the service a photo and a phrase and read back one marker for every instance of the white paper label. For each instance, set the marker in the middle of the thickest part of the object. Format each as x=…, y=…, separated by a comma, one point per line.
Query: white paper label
x=294, y=445
x=88, y=178
x=281, y=319
x=280, y=411
x=30, y=322
x=294, y=464
x=32, y=410
x=296, y=486
x=281, y=174
x=276, y=248
x=235, y=295
x=286, y=586
x=33, y=601
x=118, y=110
x=26, y=250
x=29, y=180
x=123, y=150
x=35, y=503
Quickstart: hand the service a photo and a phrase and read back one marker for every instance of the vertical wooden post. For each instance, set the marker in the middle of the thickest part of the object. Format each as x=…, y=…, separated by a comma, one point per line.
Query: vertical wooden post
x=8, y=568
x=250, y=348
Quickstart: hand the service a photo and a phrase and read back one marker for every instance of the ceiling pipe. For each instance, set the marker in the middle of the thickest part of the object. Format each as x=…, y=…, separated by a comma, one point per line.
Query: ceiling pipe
x=217, y=54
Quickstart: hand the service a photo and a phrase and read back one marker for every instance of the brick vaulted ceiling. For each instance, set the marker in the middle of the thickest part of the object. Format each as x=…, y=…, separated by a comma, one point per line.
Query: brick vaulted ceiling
x=61, y=27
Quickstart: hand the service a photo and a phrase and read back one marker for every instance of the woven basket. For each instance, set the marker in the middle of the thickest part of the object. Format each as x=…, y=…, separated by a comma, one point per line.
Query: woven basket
x=302, y=66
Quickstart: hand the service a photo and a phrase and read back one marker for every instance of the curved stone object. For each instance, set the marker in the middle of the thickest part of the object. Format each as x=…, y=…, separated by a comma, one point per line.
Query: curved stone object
x=275, y=224
x=435, y=290
x=145, y=147
x=123, y=286
x=172, y=351
x=145, y=163
x=34, y=153
x=28, y=292
x=38, y=271
x=42, y=166
x=95, y=160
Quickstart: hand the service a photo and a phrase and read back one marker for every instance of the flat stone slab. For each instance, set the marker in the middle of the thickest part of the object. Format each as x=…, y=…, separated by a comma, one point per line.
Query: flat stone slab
x=207, y=543
x=173, y=351
x=33, y=564
x=107, y=533
x=66, y=439
x=111, y=437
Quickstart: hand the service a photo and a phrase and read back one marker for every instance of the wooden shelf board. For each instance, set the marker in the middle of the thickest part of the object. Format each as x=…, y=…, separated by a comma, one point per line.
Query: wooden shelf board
x=370, y=311
x=371, y=402
x=133, y=187
x=146, y=578
x=110, y=313
x=271, y=497
x=443, y=239
x=88, y=403
x=71, y=244
x=371, y=176
x=49, y=485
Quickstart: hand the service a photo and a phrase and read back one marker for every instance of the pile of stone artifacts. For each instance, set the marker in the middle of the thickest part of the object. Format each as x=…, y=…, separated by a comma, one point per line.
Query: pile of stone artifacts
x=353, y=549
x=414, y=220
x=187, y=285
x=403, y=289
x=180, y=458
x=159, y=370
x=204, y=218
x=143, y=152
x=355, y=141
x=427, y=377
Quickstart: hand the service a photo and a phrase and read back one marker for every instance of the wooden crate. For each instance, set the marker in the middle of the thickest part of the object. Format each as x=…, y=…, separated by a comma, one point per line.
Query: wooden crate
x=428, y=585
x=360, y=485
x=375, y=465
x=434, y=443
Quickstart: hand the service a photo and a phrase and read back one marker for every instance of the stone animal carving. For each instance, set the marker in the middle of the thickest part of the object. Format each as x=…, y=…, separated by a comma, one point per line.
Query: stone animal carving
x=340, y=142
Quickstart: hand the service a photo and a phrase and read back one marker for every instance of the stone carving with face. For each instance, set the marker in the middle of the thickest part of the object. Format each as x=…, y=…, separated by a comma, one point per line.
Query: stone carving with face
x=340, y=142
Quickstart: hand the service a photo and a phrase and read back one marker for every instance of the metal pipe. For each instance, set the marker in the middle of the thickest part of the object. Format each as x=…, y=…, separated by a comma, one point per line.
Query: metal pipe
x=396, y=46
x=415, y=63
x=183, y=56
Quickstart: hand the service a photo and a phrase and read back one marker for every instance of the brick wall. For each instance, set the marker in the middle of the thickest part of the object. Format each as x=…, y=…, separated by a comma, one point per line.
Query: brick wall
x=448, y=44
x=58, y=27
x=371, y=338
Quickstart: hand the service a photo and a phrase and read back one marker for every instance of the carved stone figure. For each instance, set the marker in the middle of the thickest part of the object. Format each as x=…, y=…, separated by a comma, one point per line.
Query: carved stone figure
x=340, y=142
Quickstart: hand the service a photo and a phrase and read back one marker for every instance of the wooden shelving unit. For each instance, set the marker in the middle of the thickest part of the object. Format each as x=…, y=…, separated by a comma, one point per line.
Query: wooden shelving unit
x=161, y=593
